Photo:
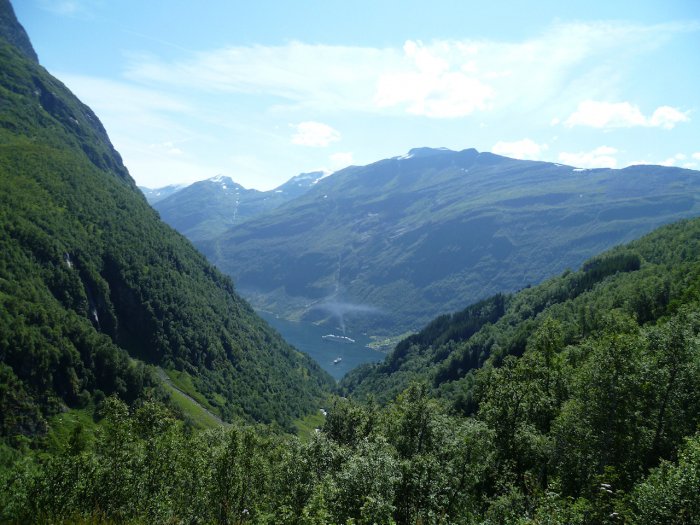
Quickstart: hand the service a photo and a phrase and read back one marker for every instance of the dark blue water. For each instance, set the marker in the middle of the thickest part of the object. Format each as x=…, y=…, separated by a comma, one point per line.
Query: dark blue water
x=308, y=338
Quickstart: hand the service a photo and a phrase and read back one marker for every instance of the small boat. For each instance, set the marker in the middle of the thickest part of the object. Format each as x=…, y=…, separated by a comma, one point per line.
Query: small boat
x=337, y=338
x=337, y=360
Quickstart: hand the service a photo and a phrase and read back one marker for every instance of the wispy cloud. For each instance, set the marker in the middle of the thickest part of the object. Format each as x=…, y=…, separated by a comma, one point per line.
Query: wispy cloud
x=70, y=8
x=108, y=96
x=623, y=115
x=438, y=79
x=237, y=101
x=315, y=134
x=320, y=76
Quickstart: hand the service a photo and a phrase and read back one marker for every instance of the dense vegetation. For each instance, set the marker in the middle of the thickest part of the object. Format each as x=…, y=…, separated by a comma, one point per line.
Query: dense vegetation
x=585, y=410
x=599, y=433
x=391, y=245
x=93, y=285
x=647, y=280
x=573, y=402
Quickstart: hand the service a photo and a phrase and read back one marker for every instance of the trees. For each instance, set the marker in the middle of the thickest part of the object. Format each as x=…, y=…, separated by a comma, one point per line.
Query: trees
x=671, y=494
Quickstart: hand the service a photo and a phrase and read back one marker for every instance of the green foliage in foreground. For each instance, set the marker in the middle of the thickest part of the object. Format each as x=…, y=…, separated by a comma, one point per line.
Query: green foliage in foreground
x=599, y=429
x=411, y=462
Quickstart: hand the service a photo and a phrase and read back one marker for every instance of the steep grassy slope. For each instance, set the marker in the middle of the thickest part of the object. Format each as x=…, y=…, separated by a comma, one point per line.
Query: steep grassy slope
x=386, y=247
x=648, y=279
x=90, y=278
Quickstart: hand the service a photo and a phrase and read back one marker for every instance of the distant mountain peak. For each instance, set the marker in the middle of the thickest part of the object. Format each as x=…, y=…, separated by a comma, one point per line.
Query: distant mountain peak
x=226, y=183
x=12, y=31
x=313, y=176
x=221, y=178
x=426, y=152
x=303, y=181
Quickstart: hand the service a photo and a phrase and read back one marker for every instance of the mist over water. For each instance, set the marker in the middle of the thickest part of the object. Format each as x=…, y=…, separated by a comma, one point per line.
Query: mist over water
x=341, y=309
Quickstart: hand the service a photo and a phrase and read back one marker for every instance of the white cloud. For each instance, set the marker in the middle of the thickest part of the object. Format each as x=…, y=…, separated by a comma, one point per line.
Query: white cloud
x=341, y=159
x=623, y=115
x=601, y=157
x=667, y=117
x=77, y=9
x=439, y=79
x=234, y=99
x=315, y=134
x=526, y=149
x=675, y=160
x=167, y=147
x=679, y=159
x=429, y=84
x=156, y=165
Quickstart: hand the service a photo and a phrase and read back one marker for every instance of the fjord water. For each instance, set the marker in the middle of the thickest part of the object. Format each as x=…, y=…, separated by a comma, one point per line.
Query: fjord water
x=308, y=338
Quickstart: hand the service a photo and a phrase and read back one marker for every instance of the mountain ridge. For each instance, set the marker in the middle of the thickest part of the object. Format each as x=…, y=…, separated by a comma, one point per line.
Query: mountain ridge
x=647, y=279
x=394, y=240
x=204, y=209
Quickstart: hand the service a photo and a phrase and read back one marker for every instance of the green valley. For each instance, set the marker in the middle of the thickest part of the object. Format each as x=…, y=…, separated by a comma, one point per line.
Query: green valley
x=510, y=342
x=573, y=402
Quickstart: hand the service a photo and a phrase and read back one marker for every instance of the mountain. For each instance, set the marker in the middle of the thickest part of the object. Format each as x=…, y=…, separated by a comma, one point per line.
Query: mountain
x=206, y=209
x=93, y=285
x=386, y=247
x=300, y=184
x=154, y=195
x=648, y=280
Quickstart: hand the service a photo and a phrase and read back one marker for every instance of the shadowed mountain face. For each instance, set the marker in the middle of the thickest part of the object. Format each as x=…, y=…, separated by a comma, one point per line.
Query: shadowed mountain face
x=384, y=248
x=204, y=210
x=93, y=284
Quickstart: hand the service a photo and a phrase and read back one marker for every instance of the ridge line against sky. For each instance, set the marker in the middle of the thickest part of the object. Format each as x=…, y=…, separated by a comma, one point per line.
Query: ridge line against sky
x=261, y=93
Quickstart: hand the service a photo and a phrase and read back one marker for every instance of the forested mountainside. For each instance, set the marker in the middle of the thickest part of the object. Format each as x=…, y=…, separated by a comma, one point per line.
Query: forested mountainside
x=93, y=285
x=586, y=413
x=206, y=209
x=386, y=247
x=647, y=281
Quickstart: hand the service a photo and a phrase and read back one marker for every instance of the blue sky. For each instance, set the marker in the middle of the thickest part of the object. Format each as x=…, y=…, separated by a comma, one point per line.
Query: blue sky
x=261, y=91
